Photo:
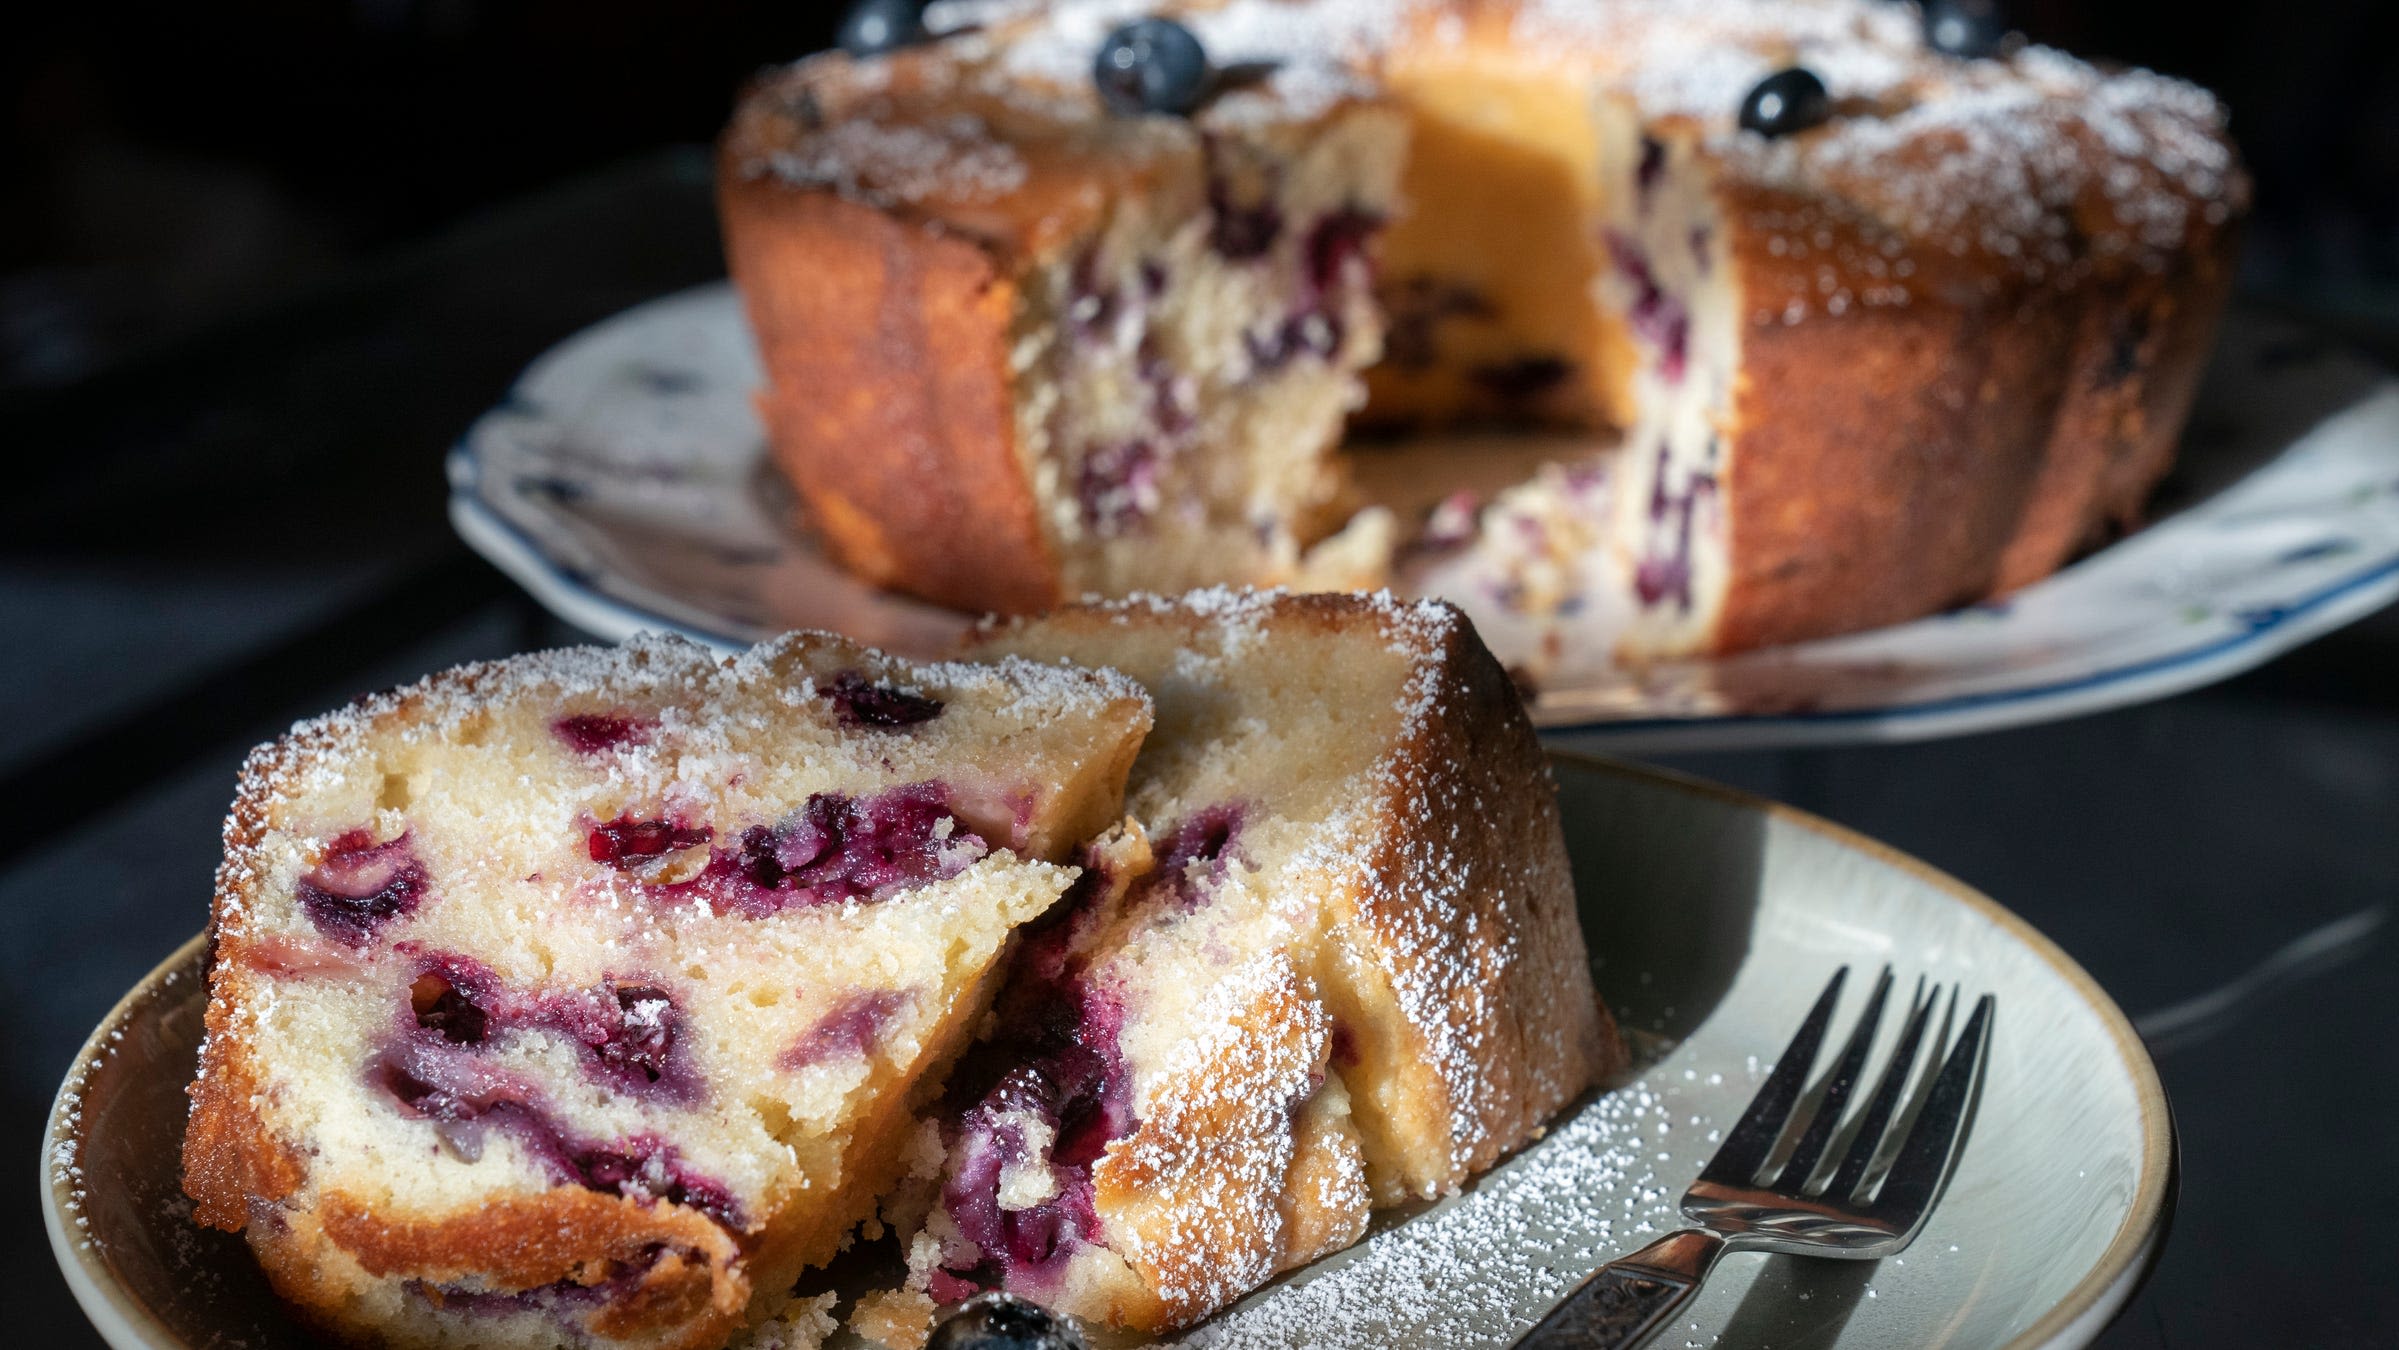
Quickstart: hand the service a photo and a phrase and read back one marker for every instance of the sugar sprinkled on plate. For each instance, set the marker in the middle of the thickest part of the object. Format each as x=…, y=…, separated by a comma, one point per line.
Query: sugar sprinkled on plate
x=1577, y=1198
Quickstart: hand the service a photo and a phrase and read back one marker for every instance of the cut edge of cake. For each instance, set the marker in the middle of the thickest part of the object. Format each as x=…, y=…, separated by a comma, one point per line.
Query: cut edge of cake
x=570, y=1172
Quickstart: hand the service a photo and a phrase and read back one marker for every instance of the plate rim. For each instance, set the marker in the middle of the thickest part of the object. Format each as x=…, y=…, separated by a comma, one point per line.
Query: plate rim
x=121, y=1319
x=2086, y=1309
x=584, y=602
x=2120, y=1269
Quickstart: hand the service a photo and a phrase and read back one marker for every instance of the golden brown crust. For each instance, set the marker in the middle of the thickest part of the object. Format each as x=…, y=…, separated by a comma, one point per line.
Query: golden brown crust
x=1895, y=460
x=678, y=1304
x=888, y=401
x=1472, y=922
x=1324, y=1206
x=228, y=1156
x=2138, y=359
x=1200, y=1198
x=563, y=1235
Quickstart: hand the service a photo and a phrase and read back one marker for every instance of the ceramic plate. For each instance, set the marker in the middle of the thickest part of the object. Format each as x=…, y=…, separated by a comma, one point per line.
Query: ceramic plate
x=1715, y=919
x=624, y=484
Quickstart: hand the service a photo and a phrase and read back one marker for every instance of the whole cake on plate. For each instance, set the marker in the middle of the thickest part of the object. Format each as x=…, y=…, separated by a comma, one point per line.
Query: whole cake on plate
x=1891, y=312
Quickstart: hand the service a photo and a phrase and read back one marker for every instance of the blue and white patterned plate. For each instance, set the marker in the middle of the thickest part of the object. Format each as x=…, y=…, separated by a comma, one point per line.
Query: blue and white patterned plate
x=624, y=484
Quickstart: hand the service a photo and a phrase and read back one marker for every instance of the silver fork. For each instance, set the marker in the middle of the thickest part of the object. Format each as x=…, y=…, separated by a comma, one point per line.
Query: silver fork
x=1869, y=1207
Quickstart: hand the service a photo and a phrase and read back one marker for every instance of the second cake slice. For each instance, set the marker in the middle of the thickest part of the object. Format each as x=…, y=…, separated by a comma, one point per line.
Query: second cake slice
x=1335, y=964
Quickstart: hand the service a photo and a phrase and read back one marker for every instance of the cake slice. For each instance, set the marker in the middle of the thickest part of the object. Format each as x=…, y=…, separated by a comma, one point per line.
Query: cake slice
x=584, y=998
x=1332, y=964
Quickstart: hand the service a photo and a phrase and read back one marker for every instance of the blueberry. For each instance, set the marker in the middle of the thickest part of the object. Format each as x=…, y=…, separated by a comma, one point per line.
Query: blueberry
x=873, y=27
x=1151, y=66
x=1787, y=101
x=598, y=733
x=1003, y=1322
x=441, y=1006
x=625, y=843
x=360, y=885
x=1972, y=29
x=859, y=702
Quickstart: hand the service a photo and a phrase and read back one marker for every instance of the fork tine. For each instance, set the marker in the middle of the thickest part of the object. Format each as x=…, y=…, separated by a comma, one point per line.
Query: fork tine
x=1810, y=1150
x=1896, y=1073
x=1932, y=1144
x=1743, y=1153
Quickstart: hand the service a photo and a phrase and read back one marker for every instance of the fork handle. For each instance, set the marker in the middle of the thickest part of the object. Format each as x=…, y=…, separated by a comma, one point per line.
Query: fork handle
x=1629, y=1298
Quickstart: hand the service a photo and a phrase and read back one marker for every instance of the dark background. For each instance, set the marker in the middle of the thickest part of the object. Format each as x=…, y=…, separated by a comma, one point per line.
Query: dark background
x=168, y=164
x=261, y=262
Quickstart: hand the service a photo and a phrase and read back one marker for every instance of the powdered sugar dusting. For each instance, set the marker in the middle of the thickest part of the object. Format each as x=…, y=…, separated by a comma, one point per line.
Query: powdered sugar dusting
x=2013, y=159
x=1994, y=156
x=1591, y=1191
x=955, y=158
x=672, y=670
x=1372, y=874
x=1222, y=1143
x=1407, y=850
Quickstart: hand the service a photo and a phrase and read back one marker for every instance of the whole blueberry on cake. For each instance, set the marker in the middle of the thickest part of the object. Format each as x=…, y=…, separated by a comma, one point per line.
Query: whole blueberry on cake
x=1889, y=310
x=582, y=998
x=1333, y=963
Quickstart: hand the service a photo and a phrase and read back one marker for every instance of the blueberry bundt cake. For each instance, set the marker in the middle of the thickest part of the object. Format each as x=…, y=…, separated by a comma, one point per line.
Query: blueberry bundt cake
x=1332, y=963
x=1892, y=312
x=585, y=998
